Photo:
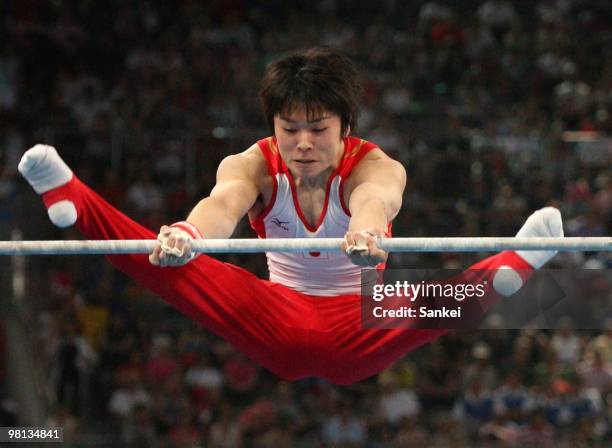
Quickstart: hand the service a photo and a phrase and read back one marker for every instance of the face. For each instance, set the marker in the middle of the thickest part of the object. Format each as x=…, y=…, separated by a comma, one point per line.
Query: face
x=309, y=147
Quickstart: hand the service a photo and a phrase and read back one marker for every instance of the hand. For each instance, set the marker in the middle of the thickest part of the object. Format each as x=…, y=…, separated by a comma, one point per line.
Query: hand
x=174, y=248
x=361, y=247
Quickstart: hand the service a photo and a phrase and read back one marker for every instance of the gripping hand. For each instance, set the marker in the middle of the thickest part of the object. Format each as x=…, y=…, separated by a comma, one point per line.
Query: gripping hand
x=361, y=247
x=174, y=245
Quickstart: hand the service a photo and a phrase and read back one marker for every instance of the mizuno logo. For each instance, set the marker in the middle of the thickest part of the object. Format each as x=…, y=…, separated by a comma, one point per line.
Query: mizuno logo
x=282, y=224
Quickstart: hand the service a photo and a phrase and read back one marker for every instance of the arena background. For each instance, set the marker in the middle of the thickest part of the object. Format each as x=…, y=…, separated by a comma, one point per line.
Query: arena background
x=496, y=108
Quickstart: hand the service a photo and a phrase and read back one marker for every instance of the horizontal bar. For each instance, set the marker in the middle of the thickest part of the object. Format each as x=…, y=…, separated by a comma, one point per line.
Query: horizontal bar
x=240, y=245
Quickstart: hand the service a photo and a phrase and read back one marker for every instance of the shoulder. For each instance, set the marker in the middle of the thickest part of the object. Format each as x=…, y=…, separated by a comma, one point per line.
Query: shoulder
x=376, y=154
x=249, y=165
x=376, y=168
x=366, y=153
x=249, y=162
x=376, y=163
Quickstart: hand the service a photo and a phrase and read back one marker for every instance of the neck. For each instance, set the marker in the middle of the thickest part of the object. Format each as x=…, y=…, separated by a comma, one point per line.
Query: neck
x=320, y=180
x=312, y=182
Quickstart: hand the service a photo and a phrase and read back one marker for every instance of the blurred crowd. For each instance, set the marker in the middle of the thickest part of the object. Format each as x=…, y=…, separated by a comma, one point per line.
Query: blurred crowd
x=496, y=108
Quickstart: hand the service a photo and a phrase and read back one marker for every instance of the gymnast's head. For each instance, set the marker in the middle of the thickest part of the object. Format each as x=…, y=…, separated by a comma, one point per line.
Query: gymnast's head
x=310, y=100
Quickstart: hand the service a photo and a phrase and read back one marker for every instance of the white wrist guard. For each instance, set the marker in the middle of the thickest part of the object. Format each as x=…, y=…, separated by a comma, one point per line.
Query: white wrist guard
x=192, y=230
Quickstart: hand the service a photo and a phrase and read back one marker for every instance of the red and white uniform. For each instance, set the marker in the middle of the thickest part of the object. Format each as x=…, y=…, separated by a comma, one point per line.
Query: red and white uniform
x=313, y=273
x=292, y=333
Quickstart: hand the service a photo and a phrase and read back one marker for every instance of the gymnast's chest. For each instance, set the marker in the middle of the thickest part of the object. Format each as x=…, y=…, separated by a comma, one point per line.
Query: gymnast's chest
x=306, y=213
x=311, y=203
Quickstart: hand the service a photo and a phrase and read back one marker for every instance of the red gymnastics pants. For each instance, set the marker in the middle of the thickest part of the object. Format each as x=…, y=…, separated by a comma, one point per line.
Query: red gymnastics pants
x=292, y=334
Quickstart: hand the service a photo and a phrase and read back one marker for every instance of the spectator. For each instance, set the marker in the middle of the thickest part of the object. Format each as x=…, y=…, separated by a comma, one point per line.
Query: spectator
x=481, y=367
x=438, y=387
x=537, y=432
x=512, y=399
x=344, y=429
x=566, y=345
x=225, y=432
x=497, y=15
x=395, y=403
x=204, y=376
x=144, y=196
x=139, y=429
x=474, y=409
x=127, y=397
x=595, y=374
x=162, y=363
x=75, y=357
x=184, y=433
x=62, y=418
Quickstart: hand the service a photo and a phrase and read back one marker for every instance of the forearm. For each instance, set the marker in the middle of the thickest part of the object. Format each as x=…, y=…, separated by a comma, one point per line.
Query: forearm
x=211, y=218
x=369, y=214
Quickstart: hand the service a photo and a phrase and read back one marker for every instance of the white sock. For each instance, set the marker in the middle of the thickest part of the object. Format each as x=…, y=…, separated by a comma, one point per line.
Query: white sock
x=44, y=169
x=543, y=223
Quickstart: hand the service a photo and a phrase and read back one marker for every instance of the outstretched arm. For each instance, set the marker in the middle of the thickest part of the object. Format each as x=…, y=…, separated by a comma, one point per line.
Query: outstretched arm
x=217, y=215
x=375, y=199
x=232, y=197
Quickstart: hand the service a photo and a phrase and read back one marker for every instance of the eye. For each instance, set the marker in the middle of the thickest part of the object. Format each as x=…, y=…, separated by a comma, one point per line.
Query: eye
x=289, y=131
x=319, y=130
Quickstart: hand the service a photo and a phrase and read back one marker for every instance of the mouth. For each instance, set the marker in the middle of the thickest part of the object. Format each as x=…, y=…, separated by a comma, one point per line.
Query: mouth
x=304, y=162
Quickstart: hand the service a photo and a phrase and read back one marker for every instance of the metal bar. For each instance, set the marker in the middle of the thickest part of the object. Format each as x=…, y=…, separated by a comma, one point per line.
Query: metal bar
x=492, y=244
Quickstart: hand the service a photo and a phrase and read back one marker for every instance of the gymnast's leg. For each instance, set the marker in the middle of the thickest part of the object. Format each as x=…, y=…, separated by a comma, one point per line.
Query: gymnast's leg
x=227, y=300
x=351, y=352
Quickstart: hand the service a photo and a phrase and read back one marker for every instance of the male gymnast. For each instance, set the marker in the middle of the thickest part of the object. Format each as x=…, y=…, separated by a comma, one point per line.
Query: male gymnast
x=310, y=179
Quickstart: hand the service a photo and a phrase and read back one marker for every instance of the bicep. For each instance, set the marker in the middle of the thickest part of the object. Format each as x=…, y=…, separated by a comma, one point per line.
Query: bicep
x=235, y=188
x=383, y=182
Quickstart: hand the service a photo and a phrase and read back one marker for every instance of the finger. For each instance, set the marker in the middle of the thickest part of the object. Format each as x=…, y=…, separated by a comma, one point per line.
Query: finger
x=377, y=256
x=373, y=249
x=358, y=250
x=361, y=244
x=371, y=243
x=348, y=243
x=162, y=256
x=167, y=258
x=171, y=242
x=356, y=241
x=168, y=247
x=349, y=237
x=366, y=253
x=182, y=245
x=154, y=256
x=165, y=231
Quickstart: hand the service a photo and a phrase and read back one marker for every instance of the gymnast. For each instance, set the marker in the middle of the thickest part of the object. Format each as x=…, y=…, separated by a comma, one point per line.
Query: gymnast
x=310, y=179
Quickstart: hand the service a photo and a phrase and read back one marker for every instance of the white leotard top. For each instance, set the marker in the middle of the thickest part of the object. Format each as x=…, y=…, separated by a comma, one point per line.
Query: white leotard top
x=313, y=273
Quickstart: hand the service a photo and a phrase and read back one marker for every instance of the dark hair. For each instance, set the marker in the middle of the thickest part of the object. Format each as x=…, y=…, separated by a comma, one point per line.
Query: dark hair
x=317, y=79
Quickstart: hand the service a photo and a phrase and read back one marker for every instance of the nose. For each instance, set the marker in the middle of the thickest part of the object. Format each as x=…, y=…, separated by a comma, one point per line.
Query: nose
x=304, y=143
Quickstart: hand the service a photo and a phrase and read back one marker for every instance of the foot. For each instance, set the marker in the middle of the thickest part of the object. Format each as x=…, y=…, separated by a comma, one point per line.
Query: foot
x=45, y=170
x=543, y=223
